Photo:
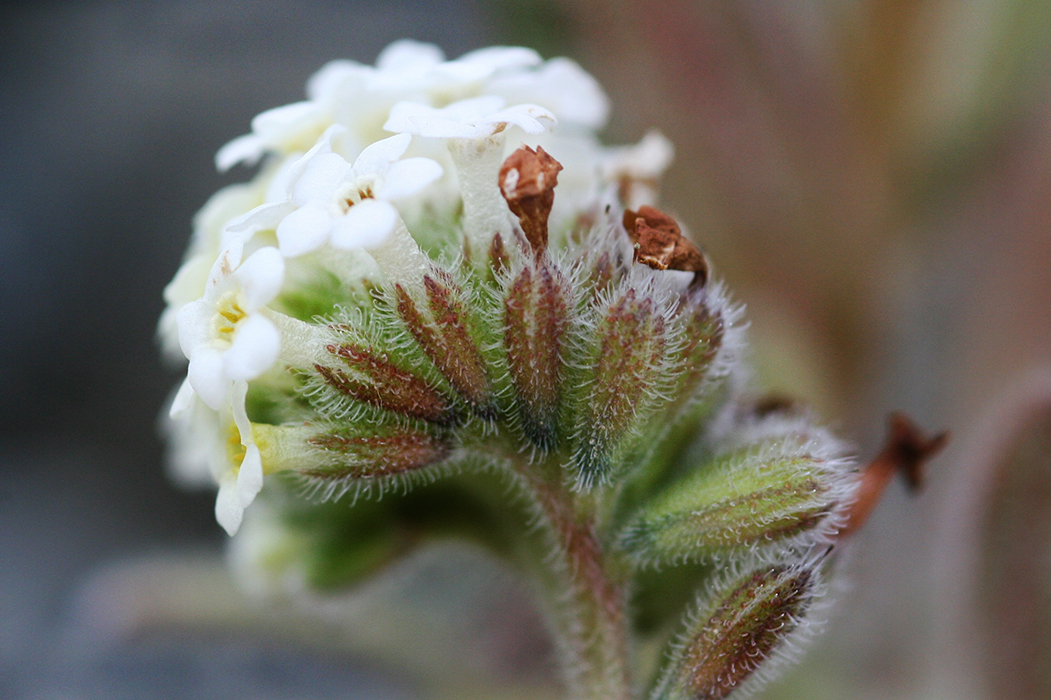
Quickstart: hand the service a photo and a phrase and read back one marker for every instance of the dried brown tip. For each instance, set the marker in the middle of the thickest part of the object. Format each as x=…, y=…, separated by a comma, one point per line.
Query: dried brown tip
x=660, y=244
x=527, y=181
x=905, y=453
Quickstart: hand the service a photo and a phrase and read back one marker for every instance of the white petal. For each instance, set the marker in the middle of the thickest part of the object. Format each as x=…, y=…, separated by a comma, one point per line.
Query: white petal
x=304, y=230
x=334, y=77
x=246, y=149
x=530, y=118
x=325, y=172
x=255, y=348
x=265, y=217
x=249, y=476
x=207, y=377
x=228, y=509
x=277, y=122
x=377, y=157
x=502, y=57
x=366, y=225
x=188, y=283
x=409, y=176
x=561, y=86
x=406, y=53
x=195, y=326
x=183, y=399
x=222, y=269
x=261, y=277
x=471, y=110
x=411, y=118
x=455, y=121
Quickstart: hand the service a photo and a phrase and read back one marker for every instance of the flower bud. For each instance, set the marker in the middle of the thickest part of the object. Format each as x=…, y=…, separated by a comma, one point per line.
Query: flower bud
x=625, y=370
x=373, y=379
x=536, y=315
x=767, y=496
x=337, y=457
x=739, y=633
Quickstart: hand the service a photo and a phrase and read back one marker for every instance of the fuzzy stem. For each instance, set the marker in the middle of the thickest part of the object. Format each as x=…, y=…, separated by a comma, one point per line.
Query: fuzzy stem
x=589, y=599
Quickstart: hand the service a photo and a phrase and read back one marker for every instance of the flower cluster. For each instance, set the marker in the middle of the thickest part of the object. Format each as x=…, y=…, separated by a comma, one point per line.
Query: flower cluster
x=439, y=274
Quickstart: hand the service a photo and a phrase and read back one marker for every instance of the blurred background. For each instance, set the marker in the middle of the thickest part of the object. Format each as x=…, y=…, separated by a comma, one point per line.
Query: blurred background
x=872, y=178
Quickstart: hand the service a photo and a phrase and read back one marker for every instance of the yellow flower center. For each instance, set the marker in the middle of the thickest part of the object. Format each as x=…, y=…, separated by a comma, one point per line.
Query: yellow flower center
x=228, y=314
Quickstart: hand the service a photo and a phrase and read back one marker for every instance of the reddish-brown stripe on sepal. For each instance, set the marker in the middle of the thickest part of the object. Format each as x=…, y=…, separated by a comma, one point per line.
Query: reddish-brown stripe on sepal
x=379, y=382
x=628, y=351
x=390, y=452
x=737, y=633
x=445, y=338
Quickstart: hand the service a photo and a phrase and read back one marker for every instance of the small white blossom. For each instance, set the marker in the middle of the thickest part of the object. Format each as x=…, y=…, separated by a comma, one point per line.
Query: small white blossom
x=328, y=200
x=475, y=118
x=646, y=160
x=637, y=169
x=216, y=443
x=208, y=239
x=360, y=97
x=559, y=85
x=224, y=334
x=287, y=128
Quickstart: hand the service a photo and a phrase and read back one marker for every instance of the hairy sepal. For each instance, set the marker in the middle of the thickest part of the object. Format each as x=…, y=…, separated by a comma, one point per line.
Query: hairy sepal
x=536, y=320
x=624, y=374
x=742, y=631
x=785, y=492
x=444, y=329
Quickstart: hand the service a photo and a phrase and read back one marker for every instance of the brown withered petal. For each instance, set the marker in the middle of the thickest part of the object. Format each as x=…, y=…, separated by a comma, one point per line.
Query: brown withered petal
x=905, y=452
x=660, y=244
x=527, y=182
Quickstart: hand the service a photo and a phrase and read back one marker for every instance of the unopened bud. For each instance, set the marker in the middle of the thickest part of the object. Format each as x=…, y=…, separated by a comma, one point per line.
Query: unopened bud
x=536, y=315
x=629, y=348
x=371, y=378
x=741, y=629
x=763, y=497
x=445, y=336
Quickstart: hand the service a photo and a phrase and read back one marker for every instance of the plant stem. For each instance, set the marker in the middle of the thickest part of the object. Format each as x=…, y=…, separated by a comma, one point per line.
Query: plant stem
x=588, y=602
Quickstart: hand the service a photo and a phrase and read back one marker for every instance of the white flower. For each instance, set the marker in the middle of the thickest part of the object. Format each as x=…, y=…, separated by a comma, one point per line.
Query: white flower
x=637, y=170
x=218, y=442
x=208, y=239
x=287, y=128
x=646, y=160
x=474, y=118
x=360, y=96
x=224, y=334
x=328, y=200
x=560, y=85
